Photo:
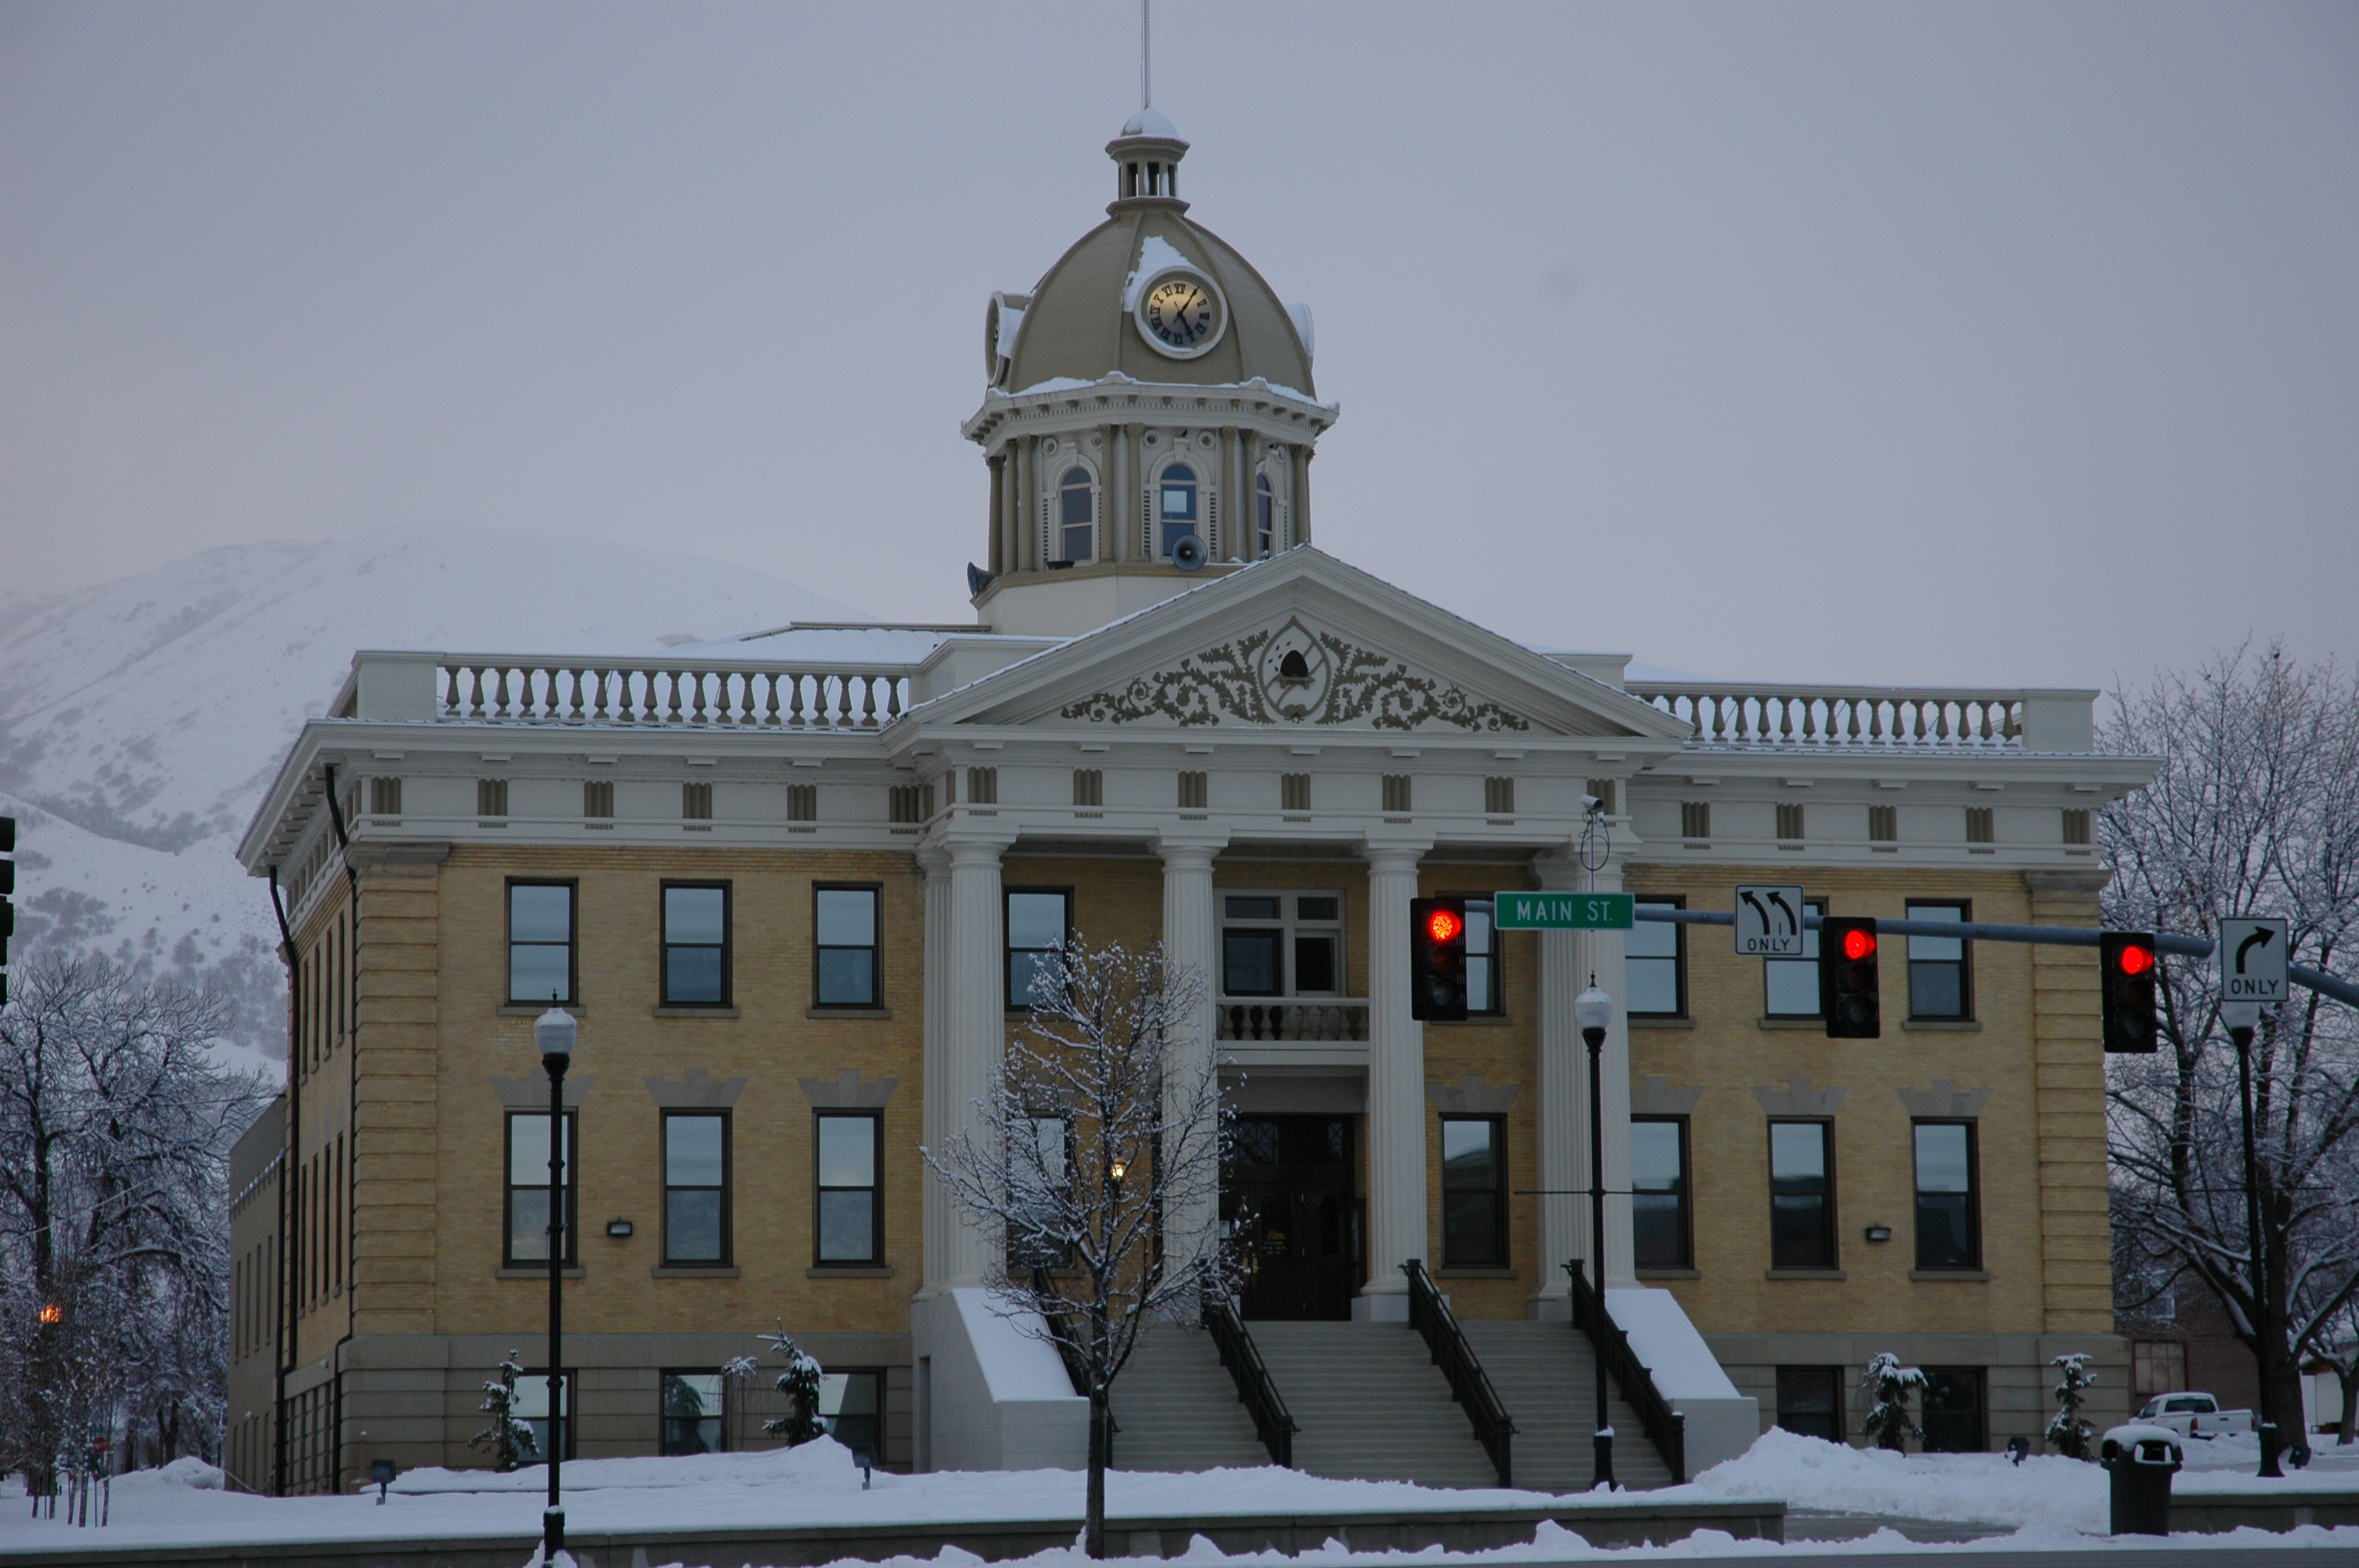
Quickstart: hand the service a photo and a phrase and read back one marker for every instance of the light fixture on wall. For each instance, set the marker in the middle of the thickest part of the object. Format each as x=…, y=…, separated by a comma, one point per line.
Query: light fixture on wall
x=1879, y=1233
x=619, y=1229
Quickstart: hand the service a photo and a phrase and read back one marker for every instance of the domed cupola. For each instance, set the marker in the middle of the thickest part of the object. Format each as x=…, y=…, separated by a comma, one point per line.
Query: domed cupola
x=1150, y=413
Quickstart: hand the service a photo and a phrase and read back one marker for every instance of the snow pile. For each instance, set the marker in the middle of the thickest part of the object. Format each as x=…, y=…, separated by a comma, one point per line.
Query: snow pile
x=1972, y=1488
x=187, y=1473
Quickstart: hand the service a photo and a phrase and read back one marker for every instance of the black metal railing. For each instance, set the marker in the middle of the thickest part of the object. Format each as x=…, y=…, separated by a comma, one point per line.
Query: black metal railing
x=1272, y=1422
x=1665, y=1426
x=1431, y=1317
x=1062, y=1335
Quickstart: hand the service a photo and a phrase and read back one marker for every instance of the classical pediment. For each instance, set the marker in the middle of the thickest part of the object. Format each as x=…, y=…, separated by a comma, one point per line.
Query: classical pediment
x=1301, y=642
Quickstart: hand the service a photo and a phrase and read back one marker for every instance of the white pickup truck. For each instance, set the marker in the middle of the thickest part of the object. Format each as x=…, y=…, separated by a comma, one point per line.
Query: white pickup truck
x=2196, y=1415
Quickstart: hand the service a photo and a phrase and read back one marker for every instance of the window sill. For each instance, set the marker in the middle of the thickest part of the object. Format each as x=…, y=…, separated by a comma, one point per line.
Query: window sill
x=540, y=1273
x=849, y=1272
x=689, y=1013
x=1943, y=1025
x=1965, y=1276
x=1792, y=1020
x=848, y=1012
x=535, y=1009
x=1804, y=1274
x=1640, y=1021
x=1670, y=1274
x=1472, y=1020
x=692, y=1271
x=1476, y=1271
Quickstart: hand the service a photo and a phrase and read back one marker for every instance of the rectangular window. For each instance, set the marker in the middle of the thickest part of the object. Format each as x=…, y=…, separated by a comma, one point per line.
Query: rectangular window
x=1954, y=1421
x=1499, y=796
x=598, y=797
x=2156, y=1367
x=490, y=798
x=1281, y=943
x=1088, y=786
x=696, y=1187
x=1980, y=828
x=1661, y=1228
x=1949, y=1220
x=696, y=802
x=1695, y=820
x=850, y=1211
x=982, y=786
x=1474, y=1190
x=1790, y=985
x=1654, y=964
x=541, y=942
x=1939, y=981
x=527, y=1188
x=1484, y=962
x=1801, y=1195
x=2076, y=825
x=803, y=802
x=691, y=1412
x=1789, y=822
x=532, y=1408
x=384, y=797
x=1294, y=792
x=1037, y=922
x=851, y=1407
x=1810, y=1402
x=846, y=953
x=1397, y=793
x=1883, y=823
x=1195, y=790
x=1029, y=1243
x=696, y=943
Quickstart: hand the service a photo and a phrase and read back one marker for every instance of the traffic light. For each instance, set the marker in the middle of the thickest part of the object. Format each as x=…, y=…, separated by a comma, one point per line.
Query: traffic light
x=8, y=894
x=2127, y=959
x=1437, y=959
x=1847, y=980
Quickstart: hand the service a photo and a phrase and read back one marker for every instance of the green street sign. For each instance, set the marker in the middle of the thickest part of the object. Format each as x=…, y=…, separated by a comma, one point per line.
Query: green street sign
x=1562, y=911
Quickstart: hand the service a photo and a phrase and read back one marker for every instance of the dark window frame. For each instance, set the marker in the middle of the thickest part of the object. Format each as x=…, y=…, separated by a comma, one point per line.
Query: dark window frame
x=875, y=892
x=1687, y=1194
x=569, y=1399
x=510, y=1186
x=1964, y=961
x=881, y=1382
x=1935, y=1421
x=876, y=1189
x=1973, y=1193
x=572, y=887
x=1831, y=1430
x=728, y=1185
x=1817, y=906
x=1499, y=1244
x=728, y=941
x=1066, y=526
x=1830, y=1228
x=1679, y=954
x=664, y=1418
x=1008, y=949
x=1497, y=959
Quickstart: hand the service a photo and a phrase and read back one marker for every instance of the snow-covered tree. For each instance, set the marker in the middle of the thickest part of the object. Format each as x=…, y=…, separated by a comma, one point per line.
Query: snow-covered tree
x=2068, y=1431
x=509, y=1438
x=115, y=1127
x=1095, y=1155
x=2255, y=811
x=800, y=1383
x=1887, y=1385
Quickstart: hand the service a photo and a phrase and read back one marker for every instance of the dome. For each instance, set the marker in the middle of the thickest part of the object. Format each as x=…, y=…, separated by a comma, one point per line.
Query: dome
x=1148, y=122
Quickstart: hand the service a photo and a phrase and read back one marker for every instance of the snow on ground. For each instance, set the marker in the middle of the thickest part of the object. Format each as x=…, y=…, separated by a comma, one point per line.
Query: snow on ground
x=2051, y=1502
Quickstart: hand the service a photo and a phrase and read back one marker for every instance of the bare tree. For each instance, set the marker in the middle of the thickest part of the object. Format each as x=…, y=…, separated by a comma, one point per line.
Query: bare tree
x=2255, y=811
x=1095, y=1153
x=115, y=1130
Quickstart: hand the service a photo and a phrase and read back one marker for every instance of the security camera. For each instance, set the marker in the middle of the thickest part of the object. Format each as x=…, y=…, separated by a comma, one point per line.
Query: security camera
x=1591, y=805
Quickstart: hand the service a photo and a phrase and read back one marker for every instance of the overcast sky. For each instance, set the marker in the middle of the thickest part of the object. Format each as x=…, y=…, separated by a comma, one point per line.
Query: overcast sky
x=1969, y=343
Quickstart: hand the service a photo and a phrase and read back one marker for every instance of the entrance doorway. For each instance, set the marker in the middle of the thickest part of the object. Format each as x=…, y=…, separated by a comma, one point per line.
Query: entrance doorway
x=1287, y=1195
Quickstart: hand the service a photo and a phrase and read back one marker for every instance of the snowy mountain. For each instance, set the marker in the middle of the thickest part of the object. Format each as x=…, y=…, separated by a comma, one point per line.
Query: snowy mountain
x=141, y=719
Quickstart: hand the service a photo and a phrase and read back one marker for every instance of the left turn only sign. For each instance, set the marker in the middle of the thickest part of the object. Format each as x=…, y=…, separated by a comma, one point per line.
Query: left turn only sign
x=1769, y=920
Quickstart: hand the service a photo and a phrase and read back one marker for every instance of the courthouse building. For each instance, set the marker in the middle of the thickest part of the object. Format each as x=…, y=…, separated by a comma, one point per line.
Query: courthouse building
x=791, y=885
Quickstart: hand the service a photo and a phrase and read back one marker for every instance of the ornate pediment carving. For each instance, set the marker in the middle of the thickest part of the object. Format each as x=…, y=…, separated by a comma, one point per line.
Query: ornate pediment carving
x=1294, y=675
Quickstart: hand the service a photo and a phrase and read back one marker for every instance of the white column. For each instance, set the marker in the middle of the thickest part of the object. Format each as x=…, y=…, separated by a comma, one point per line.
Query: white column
x=1188, y=945
x=974, y=1016
x=1563, y=1111
x=1396, y=1208
x=938, y=1220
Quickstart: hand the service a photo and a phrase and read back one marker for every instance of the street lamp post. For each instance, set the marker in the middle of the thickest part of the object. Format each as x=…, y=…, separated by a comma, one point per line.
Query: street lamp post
x=1592, y=1011
x=2240, y=1017
x=554, y=1031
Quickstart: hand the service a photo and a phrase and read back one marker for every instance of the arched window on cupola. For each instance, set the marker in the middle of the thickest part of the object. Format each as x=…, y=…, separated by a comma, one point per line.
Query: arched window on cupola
x=1265, y=518
x=1176, y=503
x=1077, y=517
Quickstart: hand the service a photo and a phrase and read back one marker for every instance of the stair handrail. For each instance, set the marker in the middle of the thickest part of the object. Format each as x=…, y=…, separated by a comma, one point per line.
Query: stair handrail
x=1666, y=1427
x=1431, y=1317
x=1257, y=1391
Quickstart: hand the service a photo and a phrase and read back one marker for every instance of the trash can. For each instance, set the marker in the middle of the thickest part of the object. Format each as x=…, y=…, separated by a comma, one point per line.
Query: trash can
x=2140, y=1459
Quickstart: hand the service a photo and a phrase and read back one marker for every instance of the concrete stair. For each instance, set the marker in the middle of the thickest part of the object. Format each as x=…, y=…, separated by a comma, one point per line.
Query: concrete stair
x=1371, y=1404
x=1543, y=1372
x=1177, y=1408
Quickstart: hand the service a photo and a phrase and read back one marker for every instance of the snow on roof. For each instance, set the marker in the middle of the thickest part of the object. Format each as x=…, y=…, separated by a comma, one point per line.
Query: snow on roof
x=1011, y=321
x=1155, y=254
x=1054, y=383
x=830, y=644
x=1300, y=313
x=1149, y=122
x=1668, y=1345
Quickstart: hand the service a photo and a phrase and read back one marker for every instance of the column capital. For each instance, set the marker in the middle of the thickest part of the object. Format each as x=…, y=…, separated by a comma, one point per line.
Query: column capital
x=966, y=842
x=934, y=860
x=1192, y=844
x=1389, y=853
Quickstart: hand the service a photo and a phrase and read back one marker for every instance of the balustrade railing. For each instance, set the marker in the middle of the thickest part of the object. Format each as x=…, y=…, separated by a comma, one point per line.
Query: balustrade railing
x=1272, y=1422
x=1431, y=1317
x=1283, y=1018
x=1665, y=1426
x=1745, y=715
x=661, y=692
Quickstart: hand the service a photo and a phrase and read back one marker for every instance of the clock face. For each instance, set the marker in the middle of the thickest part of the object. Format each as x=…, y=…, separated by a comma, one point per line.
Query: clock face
x=1181, y=315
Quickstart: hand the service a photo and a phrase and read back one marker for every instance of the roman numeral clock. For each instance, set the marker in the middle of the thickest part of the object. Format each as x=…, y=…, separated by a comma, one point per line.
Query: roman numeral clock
x=1181, y=313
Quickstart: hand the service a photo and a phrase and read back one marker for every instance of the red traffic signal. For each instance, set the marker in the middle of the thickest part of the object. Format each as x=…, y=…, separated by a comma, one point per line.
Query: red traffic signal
x=1848, y=980
x=1437, y=959
x=1858, y=942
x=2127, y=960
x=1445, y=925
